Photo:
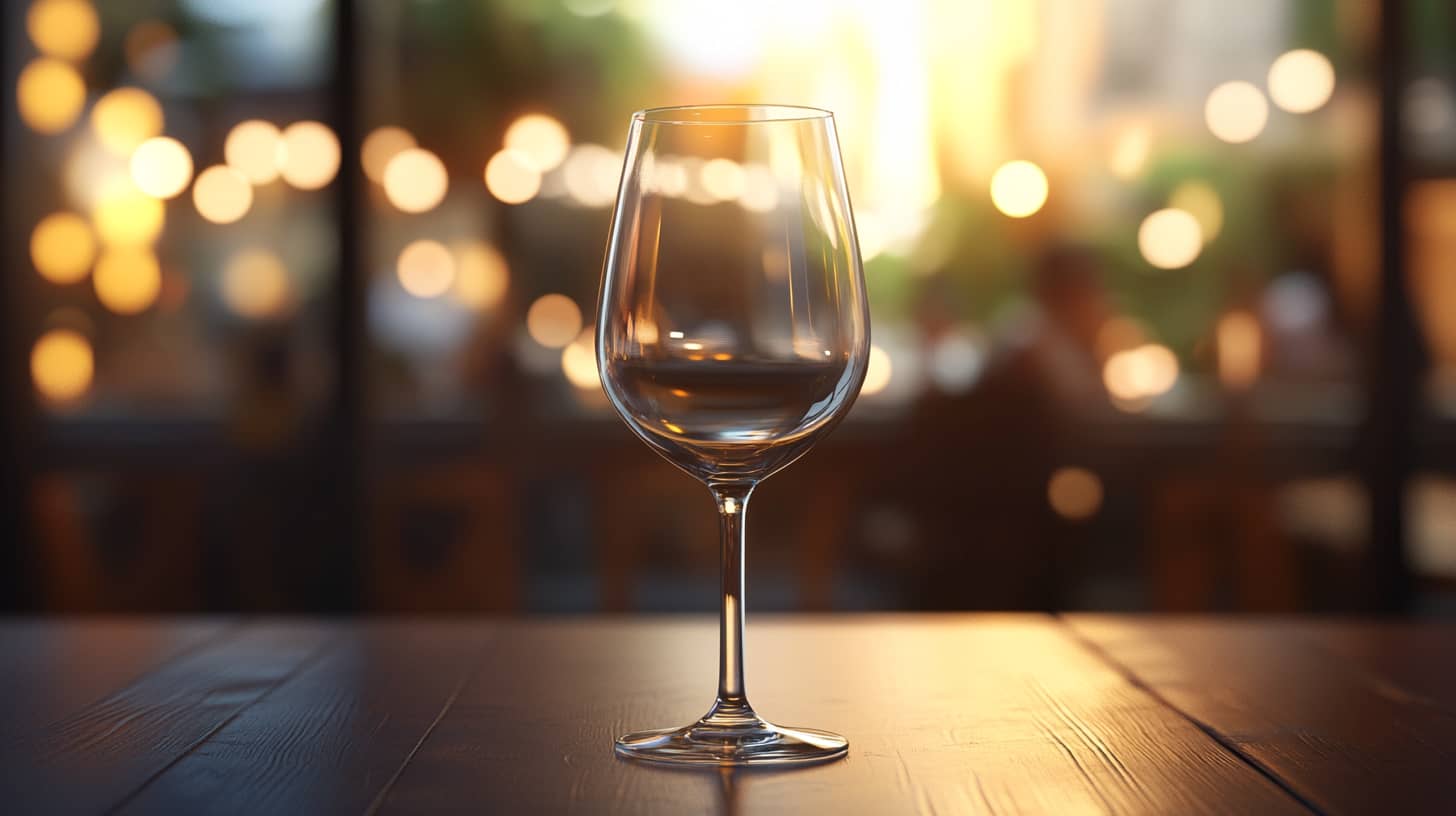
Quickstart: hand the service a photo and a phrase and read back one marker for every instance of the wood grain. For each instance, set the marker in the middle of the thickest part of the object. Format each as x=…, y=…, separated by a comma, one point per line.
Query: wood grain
x=92, y=759
x=331, y=738
x=944, y=714
x=1349, y=719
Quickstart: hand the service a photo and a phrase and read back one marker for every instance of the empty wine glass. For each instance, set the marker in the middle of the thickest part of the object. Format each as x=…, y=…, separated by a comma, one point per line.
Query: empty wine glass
x=732, y=334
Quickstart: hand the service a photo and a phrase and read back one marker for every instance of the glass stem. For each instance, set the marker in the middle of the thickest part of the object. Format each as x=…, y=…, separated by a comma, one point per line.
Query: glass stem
x=731, y=708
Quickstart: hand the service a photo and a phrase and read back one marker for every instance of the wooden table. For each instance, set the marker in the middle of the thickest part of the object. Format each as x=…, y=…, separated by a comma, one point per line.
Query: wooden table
x=945, y=714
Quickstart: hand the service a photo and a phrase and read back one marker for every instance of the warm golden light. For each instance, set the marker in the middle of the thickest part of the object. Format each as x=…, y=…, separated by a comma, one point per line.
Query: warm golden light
x=255, y=284
x=1238, y=350
x=62, y=247
x=1301, y=81
x=722, y=179
x=310, y=155
x=760, y=190
x=426, y=269
x=1170, y=239
x=50, y=95
x=161, y=167
x=1130, y=151
x=879, y=373
x=590, y=175
x=1236, y=112
x=1074, y=493
x=511, y=177
x=127, y=279
x=124, y=118
x=67, y=29
x=579, y=361
x=415, y=180
x=1019, y=189
x=381, y=145
x=255, y=149
x=481, y=274
x=126, y=216
x=62, y=365
x=540, y=139
x=151, y=49
x=222, y=195
x=553, y=320
x=1139, y=374
x=1201, y=201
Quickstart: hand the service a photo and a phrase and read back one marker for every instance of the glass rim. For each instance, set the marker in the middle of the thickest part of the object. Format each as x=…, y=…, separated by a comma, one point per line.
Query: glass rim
x=768, y=112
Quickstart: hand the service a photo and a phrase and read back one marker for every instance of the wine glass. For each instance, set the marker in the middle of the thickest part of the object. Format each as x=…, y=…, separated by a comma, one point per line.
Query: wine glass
x=733, y=333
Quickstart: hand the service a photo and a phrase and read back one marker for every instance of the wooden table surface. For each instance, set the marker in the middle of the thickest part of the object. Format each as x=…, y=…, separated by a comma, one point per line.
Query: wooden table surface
x=945, y=714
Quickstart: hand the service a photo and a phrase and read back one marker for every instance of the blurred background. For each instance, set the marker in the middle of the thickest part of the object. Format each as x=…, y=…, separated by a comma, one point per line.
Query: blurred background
x=297, y=299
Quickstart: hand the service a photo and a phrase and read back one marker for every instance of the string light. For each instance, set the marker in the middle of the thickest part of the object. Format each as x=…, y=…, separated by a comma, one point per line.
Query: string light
x=62, y=247
x=161, y=167
x=310, y=155
x=426, y=269
x=1019, y=189
x=381, y=145
x=62, y=365
x=553, y=320
x=415, y=180
x=66, y=29
x=124, y=118
x=222, y=195
x=127, y=279
x=255, y=149
x=49, y=95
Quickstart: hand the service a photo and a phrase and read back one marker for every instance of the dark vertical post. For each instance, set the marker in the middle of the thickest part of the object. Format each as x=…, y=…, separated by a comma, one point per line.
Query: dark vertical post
x=1394, y=370
x=345, y=447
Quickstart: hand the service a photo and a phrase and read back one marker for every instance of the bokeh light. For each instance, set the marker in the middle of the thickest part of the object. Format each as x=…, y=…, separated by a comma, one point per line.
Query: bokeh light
x=62, y=365
x=1130, y=151
x=62, y=247
x=553, y=320
x=126, y=117
x=310, y=155
x=255, y=284
x=426, y=269
x=590, y=174
x=127, y=279
x=1119, y=334
x=222, y=195
x=1236, y=112
x=540, y=139
x=66, y=29
x=161, y=167
x=1201, y=201
x=722, y=179
x=381, y=145
x=126, y=216
x=877, y=378
x=579, y=361
x=1139, y=374
x=1238, y=349
x=1074, y=493
x=255, y=149
x=49, y=94
x=1170, y=238
x=481, y=274
x=1019, y=188
x=512, y=177
x=760, y=189
x=151, y=49
x=1301, y=81
x=415, y=180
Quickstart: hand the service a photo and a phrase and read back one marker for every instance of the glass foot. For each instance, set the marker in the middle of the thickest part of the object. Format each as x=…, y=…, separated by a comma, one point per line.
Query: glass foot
x=761, y=743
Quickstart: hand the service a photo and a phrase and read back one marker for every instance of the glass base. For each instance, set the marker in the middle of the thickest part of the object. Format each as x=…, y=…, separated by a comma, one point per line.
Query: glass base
x=756, y=743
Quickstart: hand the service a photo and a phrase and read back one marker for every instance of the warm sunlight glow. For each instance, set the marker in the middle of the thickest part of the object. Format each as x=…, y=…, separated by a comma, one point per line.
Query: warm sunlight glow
x=1074, y=493
x=1019, y=189
x=62, y=365
x=50, y=95
x=553, y=320
x=255, y=149
x=1301, y=81
x=1236, y=112
x=540, y=139
x=1201, y=201
x=481, y=274
x=124, y=118
x=722, y=179
x=310, y=155
x=1238, y=350
x=66, y=29
x=161, y=167
x=255, y=284
x=1170, y=239
x=127, y=216
x=381, y=145
x=879, y=373
x=127, y=279
x=415, y=180
x=426, y=269
x=62, y=247
x=511, y=176
x=222, y=194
